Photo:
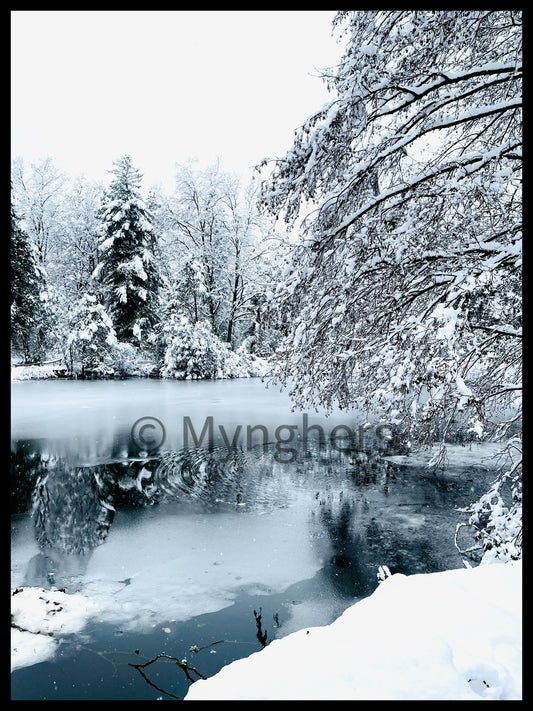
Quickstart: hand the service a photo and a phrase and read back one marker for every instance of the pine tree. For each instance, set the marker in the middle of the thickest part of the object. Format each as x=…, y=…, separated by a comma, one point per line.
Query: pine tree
x=91, y=337
x=127, y=270
x=27, y=288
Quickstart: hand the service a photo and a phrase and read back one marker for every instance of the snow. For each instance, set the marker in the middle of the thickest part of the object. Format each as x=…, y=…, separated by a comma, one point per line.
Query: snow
x=39, y=618
x=122, y=293
x=369, y=49
x=135, y=266
x=462, y=388
x=34, y=372
x=194, y=569
x=137, y=332
x=454, y=635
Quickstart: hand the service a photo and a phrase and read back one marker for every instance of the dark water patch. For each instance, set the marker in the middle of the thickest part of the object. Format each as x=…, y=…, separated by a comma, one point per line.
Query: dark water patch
x=102, y=664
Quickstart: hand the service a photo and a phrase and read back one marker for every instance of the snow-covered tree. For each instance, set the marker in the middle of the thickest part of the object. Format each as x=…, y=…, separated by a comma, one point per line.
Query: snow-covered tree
x=127, y=268
x=251, y=249
x=219, y=252
x=404, y=297
x=38, y=192
x=91, y=338
x=193, y=351
x=196, y=233
x=75, y=251
x=60, y=217
x=27, y=294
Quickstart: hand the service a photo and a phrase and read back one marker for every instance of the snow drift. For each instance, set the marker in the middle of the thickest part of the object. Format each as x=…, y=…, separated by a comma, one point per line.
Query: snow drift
x=452, y=635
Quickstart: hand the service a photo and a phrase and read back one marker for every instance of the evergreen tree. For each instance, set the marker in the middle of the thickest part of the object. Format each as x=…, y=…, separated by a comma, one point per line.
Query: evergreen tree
x=27, y=289
x=91, y=339
x=127, y=270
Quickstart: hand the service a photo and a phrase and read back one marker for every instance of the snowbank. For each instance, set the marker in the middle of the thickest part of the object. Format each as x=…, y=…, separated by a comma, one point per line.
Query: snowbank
x=450, y=636
x=38, y=620
x=33, y=372
x=443, y=636
x=236, y=366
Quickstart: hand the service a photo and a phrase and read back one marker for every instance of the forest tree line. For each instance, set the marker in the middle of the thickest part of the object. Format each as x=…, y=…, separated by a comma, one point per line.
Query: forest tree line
x=104, y=278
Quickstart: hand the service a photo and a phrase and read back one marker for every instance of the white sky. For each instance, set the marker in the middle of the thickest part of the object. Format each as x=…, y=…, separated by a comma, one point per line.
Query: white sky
x=164, y=86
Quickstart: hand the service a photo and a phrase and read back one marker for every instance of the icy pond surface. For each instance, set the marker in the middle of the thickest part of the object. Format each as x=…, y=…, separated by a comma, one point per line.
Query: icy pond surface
x=204, y=519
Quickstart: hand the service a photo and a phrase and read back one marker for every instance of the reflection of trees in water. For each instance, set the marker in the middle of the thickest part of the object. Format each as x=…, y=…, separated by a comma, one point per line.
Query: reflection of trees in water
x=359, y=540
x=73, y=506
x=70, y=511
x=340, y=521
x=400, y=553
x=71, y=516
x=27, y=466
x=346, y=567
x=359, y=543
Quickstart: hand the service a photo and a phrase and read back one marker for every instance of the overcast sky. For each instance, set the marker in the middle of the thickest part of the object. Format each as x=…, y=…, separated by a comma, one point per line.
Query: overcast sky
x=164, y=86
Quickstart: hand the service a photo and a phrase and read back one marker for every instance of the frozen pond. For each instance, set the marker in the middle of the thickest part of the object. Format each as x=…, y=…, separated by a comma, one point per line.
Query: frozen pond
x=195, y=512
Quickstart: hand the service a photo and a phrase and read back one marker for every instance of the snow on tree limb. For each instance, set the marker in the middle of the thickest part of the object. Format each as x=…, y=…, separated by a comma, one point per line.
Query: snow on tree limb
x=403, y=297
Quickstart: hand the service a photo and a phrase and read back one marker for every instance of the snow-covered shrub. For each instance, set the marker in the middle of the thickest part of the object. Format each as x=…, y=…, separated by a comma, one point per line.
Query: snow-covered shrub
x=193, y=351
x=34, y=372
x=501, y=536
x=124, y=358
x=256, y=365
x=496, y=517
x=239, y=364
x=234, y=365
x=91, y=338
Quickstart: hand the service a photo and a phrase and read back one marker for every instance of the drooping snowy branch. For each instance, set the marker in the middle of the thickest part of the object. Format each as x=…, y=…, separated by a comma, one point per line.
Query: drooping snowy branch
x=403, y=298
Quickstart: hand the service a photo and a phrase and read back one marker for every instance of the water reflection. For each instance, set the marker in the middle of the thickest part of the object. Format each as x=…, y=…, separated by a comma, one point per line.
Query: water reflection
x=353, y=501
x=345, y=567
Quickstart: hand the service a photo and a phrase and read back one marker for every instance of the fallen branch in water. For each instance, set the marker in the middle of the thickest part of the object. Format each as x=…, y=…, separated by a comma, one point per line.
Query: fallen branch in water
x=139, y=669
x=182, y=664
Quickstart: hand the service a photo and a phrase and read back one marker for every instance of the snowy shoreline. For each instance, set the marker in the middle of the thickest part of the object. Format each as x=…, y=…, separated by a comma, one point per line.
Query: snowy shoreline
x=452, y=635
x=19, y=373
x=39, y=618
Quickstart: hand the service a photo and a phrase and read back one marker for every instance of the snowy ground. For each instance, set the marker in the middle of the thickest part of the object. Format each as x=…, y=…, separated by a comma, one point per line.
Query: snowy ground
x=38, y=620
x=252, y=366
x=32, y=372
x=454, y=635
